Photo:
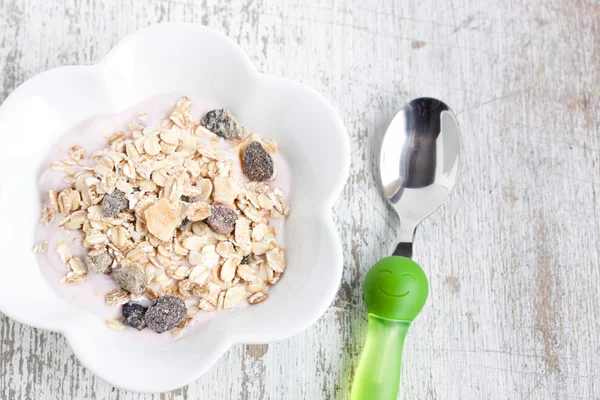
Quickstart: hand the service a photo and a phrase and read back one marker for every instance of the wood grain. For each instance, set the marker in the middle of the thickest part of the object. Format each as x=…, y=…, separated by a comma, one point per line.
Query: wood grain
x=512, y=256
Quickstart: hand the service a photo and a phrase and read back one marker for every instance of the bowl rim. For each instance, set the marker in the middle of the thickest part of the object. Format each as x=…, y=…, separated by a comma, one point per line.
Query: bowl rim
x=64, y=326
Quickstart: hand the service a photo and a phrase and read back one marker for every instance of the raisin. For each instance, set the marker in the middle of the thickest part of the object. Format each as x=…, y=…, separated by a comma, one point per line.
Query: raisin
x=165, y=313
x=222, y=219
x=223, y=123
x=257, y=163
x=133, y=315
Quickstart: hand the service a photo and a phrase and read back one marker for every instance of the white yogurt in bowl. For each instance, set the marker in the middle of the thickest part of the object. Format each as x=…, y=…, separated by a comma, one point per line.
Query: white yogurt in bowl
x=92, y=136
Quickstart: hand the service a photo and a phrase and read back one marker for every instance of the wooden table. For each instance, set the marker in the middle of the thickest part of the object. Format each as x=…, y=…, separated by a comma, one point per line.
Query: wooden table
x=512, y=257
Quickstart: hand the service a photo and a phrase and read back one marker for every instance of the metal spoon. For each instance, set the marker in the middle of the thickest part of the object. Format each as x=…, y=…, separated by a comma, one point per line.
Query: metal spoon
x=419, y=163
x=420, y=158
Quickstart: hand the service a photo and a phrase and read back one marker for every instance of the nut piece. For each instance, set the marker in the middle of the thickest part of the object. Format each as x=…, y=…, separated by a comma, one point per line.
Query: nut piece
x=99, y=261
x=165, y=313
x=257, y=163
x=222, y=219
x=132, y=279
x=133, y=315
x=113, y=203
x=222, y=123
x=162, y=220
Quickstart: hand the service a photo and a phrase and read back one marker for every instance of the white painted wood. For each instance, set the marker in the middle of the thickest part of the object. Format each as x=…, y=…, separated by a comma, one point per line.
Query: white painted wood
x=512, y=257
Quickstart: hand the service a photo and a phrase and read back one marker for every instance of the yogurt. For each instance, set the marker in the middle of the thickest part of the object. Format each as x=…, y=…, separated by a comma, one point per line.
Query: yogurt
x=92, y=136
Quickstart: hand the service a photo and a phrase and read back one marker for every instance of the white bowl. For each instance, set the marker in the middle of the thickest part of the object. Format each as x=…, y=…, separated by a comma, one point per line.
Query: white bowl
x=202, y=63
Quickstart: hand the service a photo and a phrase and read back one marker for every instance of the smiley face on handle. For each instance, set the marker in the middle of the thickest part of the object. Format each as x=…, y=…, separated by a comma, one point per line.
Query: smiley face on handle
x=396, y=288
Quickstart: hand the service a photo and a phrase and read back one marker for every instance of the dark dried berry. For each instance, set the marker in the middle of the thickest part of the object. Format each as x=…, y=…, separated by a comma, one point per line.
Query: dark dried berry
x=132, y=279
x=245, y=260
x=133, y=315
x=190, y=199
x=113, y=203
x=186, y=223
x=223, y=123
x=99, y=261
x=222, y=219
x=257, y=163
x=165, y=313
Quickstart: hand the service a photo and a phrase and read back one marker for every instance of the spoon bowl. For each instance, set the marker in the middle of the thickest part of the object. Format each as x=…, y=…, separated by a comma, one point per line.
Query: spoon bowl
x=419, y=163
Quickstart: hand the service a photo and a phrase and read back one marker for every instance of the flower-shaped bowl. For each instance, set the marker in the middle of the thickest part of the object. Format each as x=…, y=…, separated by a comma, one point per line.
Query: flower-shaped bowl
x=201, y=63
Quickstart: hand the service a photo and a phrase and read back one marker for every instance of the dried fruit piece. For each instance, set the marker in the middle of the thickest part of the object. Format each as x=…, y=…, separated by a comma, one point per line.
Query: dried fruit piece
x=132, y=279
x=222, y=219
x=133, y=315
x=162, y=220
x=113, y=203
x=222, y=123
x=257, y=163
x=99, y=261
x=165, y=313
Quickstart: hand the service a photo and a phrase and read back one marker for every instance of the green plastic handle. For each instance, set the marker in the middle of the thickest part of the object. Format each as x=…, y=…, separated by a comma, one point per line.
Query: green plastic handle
x=395, y=290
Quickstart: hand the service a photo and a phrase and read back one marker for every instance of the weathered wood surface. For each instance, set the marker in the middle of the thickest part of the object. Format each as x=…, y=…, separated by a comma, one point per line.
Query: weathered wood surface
x=513, y=255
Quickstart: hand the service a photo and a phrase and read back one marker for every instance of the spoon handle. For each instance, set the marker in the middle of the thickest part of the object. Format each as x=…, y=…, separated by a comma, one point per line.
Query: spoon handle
x=378, y=374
